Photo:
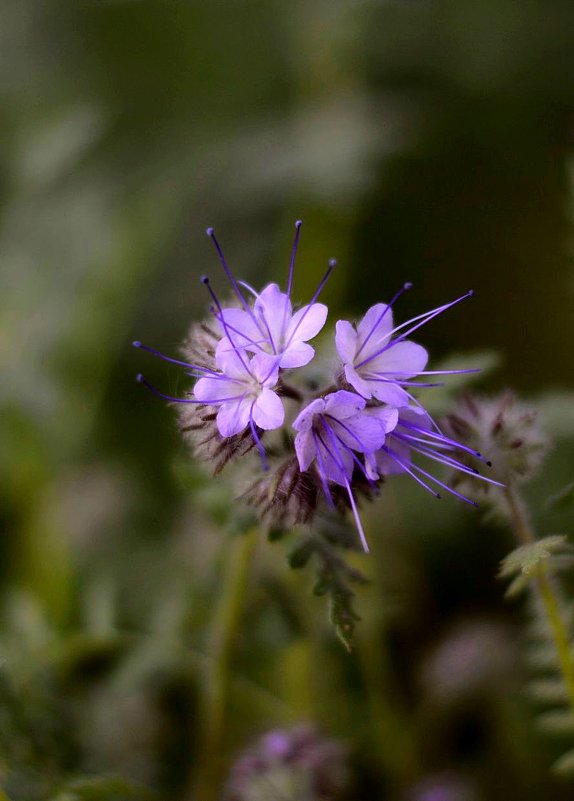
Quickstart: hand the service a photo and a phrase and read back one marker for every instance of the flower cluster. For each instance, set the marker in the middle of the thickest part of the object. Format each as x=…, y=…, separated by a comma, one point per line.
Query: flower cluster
x=338, y=441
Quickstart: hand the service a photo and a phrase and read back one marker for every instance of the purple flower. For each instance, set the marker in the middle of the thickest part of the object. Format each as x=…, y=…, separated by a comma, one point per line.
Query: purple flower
x=416, y=433
x=270, y=327
x=379, y=366
x=330, y=432
x=243, y=391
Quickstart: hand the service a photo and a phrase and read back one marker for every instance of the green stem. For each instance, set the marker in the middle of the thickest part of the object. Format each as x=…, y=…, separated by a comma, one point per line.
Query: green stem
x=546, y=593
x=223, y=630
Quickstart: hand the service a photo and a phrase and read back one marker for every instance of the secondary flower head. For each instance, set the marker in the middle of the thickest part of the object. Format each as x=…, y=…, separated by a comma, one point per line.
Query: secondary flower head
x=330, y=433
x=378, y=363
x=416, y=433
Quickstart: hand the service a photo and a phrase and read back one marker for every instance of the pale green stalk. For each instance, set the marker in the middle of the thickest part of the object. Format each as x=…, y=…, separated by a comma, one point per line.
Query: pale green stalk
x=546, y=592
x=223, y=629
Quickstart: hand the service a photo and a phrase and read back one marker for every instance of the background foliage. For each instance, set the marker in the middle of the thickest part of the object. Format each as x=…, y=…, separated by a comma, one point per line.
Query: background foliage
x=423, y=140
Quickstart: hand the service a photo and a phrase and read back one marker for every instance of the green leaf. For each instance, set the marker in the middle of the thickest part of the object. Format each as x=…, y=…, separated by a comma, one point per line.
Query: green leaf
x=527, y=558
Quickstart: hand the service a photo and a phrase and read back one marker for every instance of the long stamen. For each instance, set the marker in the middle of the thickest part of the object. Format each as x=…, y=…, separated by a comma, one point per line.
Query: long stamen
x=146, y=383
x=250, y=340
x=443, y=458
x=322, y=472
x=394, y=456
x=298, y=225
x=332, y=265
x=154, y=352
x=423, y=318
x=211, y=234
x=445, y=486
x=379, y=319
x=249, y=288
x=257, y=439
x=205, y=282
x=419, y=405
x=446, y=440
x=358, y=523
x=436, y=372
x=338, y=461
x=403, y=383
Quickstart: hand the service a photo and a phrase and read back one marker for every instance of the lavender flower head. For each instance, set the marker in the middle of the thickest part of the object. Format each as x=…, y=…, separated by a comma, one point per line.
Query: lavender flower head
x=248, y=364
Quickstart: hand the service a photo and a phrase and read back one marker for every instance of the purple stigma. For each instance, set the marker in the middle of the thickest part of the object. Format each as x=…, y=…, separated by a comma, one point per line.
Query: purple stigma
x=298, y=225
x=322, y=282
x=379, y=319
x=221, y=318
x=421, y=319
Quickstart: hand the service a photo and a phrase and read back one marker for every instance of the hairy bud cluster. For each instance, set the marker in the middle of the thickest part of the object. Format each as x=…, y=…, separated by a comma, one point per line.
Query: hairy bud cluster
x=506, y=429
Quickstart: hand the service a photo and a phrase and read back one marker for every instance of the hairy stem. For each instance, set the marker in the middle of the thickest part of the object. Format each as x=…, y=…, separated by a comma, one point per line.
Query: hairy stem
x=546, y=592
x=223, y=629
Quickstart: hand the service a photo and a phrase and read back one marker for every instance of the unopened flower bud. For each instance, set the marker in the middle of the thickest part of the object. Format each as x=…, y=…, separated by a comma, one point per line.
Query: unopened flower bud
x=505, y=431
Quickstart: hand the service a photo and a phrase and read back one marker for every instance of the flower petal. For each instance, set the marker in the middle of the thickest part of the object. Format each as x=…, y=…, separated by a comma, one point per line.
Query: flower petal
x=231, y=361
x=273, y=308
x=265, y=368
x=233, y=417
x=214, y=390
x=297, y=355
x=371, y=468
x=343, y=404
x=336, y=464
x=362, y=432
x=306, y=323
x=387, y=465
x=388, y=392
x=406, y=359
x=374, y=328
x=346, y=341
x=388, y=416
x=305, y=449
x=268, y=411
x=360, y=384
x=243, y=329
x=304, y=419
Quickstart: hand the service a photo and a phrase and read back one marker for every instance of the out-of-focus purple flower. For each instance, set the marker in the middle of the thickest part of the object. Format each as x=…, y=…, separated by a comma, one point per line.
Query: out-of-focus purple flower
x=290, y=764
x=330, y=432
x=443, y=787
x=416, y=433
x=378, y=359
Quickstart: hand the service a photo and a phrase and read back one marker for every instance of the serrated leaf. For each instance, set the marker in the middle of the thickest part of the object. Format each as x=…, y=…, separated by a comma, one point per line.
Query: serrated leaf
x=344, y=617
x=527, y=558
x=301, y=554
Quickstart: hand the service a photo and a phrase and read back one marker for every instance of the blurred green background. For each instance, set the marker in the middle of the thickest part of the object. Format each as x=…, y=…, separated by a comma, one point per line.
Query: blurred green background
x=422, y=140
